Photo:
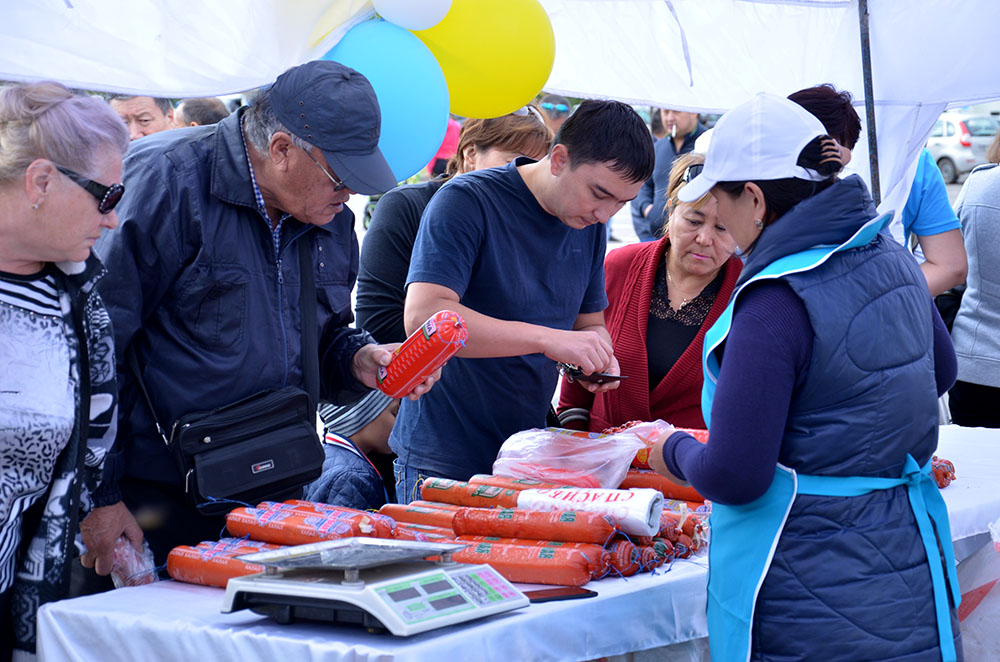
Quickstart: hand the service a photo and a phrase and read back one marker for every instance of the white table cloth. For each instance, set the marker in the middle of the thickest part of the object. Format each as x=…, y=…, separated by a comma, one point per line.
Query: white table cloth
x=170, y=621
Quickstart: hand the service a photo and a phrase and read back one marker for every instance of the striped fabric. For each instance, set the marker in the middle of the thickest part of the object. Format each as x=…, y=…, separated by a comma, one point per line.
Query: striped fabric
x=30, y=293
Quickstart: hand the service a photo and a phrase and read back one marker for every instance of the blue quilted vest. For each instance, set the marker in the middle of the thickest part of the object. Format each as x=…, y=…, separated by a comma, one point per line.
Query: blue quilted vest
x=849, y=579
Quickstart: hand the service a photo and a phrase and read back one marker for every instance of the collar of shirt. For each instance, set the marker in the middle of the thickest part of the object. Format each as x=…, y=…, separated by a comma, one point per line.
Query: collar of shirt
x=258, y=196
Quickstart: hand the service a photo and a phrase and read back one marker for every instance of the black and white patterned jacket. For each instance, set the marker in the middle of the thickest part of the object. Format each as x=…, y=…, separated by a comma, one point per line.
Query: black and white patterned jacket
x=43, y=570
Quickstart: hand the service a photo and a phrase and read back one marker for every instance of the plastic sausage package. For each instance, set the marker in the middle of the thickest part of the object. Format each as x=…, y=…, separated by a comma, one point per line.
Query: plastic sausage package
x=571, y=457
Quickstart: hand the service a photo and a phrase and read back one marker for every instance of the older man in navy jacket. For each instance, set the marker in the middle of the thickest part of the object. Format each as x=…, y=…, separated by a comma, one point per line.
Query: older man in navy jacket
x=204, y=280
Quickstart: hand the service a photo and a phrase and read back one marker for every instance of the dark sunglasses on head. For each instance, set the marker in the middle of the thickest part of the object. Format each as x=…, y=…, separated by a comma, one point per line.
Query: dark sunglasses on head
x=693, y=171
x=529, y=110
x=107, y=196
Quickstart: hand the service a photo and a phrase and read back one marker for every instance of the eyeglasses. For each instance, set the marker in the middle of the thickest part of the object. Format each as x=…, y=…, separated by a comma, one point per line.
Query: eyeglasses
x=693, y=171
x=107, y=196
x=337, y=184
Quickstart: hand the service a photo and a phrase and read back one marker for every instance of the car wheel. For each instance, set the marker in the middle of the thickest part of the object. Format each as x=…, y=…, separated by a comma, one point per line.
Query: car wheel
x=947, y=168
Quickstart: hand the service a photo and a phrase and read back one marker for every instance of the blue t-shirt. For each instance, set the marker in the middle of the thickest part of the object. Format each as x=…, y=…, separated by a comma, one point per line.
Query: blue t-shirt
x=928, y=210
x=485, y=236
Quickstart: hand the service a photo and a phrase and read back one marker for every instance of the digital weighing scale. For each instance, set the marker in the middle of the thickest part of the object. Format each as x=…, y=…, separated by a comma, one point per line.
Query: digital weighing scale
x=383, y=585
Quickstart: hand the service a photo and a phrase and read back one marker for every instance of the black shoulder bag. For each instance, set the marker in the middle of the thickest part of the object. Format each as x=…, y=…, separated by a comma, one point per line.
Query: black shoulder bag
x=263, y=447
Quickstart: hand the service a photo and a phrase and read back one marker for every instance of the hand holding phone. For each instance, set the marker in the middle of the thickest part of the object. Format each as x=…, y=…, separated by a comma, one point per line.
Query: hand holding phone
x=573, y=373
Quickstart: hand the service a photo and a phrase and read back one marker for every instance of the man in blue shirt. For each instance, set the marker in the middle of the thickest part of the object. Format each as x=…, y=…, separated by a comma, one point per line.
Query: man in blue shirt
x=929, y=217
x=519, y=253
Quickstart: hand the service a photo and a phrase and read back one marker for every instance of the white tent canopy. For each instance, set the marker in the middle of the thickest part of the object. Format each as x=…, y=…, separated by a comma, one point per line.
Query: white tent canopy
x=710, y=55
x=705, y=55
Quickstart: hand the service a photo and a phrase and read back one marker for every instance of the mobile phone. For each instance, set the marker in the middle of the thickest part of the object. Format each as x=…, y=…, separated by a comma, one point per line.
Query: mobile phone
x=559, y=593
x=574, y=373
x=599, y=377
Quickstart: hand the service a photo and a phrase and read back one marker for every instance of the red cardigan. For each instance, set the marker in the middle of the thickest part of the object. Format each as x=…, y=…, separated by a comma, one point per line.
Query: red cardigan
x=629, y=275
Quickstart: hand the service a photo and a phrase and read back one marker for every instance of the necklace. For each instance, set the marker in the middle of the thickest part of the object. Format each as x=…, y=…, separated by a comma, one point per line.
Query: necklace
x=670, y=282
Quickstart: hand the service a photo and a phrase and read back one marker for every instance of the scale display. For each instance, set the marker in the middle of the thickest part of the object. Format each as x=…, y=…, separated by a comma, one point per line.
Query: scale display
x=366, y=584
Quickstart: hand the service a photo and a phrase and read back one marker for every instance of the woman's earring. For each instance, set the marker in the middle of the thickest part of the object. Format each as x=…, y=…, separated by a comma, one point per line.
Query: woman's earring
x=759, y=224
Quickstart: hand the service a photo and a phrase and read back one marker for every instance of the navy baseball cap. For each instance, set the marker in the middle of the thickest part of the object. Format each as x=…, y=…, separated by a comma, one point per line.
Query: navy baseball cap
x=335, y=108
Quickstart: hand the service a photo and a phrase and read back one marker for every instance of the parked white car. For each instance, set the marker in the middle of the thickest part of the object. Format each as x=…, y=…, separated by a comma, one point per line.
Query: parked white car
x=959, y=140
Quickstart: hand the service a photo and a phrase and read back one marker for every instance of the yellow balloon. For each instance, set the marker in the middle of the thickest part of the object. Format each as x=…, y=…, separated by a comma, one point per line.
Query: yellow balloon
x=495, y=54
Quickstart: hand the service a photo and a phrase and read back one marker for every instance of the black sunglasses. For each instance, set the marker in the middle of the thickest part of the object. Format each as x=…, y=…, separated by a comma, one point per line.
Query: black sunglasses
x=107, y=196
x=693, y=171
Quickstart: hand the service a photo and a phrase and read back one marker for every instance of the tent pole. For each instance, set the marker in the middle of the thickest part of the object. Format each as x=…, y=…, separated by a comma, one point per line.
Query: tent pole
x=866, y=67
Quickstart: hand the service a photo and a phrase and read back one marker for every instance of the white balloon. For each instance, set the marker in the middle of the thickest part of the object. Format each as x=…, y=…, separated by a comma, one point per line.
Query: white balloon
x=413, y=15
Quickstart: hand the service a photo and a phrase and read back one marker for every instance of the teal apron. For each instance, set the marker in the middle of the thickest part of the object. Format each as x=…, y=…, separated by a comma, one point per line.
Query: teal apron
x=737, y=567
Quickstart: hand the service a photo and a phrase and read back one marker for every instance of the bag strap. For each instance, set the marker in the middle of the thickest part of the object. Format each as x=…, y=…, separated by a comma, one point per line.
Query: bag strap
x=310, y=342
x=307, y=303
x=133, y=364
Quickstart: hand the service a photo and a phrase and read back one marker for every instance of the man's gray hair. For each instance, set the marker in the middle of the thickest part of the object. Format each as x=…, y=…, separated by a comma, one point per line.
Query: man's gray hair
x=260, y=123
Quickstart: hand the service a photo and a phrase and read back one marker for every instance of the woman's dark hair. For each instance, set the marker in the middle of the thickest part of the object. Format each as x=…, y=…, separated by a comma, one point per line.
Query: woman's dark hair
x=834, y=109
x=608, y=132
x=780, y=195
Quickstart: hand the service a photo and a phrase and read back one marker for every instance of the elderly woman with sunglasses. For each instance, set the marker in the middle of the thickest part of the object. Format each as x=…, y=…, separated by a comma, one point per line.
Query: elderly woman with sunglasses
x=60, y=168
x=662, y=296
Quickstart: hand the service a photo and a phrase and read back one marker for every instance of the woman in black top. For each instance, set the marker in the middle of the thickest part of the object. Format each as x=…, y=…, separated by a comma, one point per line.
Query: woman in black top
x=385, y=252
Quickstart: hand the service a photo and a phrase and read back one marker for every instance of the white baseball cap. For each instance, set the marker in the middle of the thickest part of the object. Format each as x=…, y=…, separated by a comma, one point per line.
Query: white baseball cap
x=760, y=139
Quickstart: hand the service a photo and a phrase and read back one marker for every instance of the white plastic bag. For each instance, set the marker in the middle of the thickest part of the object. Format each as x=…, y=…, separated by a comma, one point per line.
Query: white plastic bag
x=568, y=457
x=132, y=568
x=979, y=613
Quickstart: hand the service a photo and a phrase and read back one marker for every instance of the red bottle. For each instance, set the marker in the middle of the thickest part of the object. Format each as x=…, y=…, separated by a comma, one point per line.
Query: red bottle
x=426, y=350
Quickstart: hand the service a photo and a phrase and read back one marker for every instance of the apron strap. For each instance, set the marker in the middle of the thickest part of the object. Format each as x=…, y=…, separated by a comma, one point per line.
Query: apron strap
x=928, y=506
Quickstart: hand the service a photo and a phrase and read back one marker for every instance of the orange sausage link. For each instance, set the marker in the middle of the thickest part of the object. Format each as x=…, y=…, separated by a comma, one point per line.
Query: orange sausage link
x=418, y=515
x=600, y=558
x=509, y=483
x=209, y=566
x=427, y=349
x=561, y=525
x=461, y=493
x=297, y=527
x=651, y=479
x=450, y=507
x=531, y=565
x=422, y=533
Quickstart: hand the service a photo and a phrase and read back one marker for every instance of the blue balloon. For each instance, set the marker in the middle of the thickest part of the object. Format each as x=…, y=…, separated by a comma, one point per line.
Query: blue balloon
x=411, y=89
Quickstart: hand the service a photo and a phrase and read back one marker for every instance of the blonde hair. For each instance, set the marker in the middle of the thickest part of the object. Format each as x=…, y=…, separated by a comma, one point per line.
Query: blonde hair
x=46, y=120
x=521, y=134
x=676, y=182
x=993, y=152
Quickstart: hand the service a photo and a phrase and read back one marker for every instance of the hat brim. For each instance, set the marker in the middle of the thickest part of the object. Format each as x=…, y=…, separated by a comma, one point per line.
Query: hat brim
x=368, y=174
x=696, y=188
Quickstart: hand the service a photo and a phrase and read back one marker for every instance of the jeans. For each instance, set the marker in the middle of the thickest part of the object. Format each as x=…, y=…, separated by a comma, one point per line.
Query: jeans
x=408, y=479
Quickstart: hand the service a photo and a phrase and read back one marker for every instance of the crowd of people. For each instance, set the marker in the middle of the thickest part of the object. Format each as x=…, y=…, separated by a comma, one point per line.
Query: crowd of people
x=143, y=281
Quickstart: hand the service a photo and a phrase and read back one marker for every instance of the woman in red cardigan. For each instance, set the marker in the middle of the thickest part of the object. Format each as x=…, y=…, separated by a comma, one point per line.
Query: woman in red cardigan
x=663, y=296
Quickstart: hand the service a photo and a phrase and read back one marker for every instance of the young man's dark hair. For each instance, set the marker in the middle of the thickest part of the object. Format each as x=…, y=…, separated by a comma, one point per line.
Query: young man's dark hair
x=834, y=109
x=608, y=132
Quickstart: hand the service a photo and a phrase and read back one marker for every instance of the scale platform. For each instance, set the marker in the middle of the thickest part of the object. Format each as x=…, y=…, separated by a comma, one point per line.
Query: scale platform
x=382, y=585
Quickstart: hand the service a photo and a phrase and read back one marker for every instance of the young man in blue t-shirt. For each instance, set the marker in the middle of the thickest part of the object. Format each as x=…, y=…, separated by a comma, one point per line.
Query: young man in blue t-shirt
x=519, y=253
